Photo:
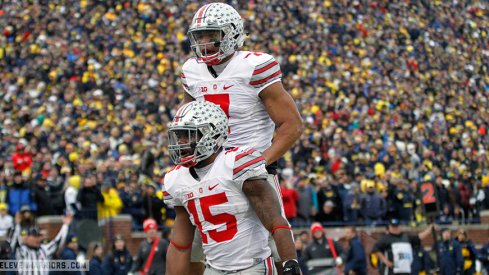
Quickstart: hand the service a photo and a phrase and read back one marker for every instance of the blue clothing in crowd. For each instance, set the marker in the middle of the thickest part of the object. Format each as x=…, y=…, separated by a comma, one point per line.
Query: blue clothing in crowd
x=450, y=257
x=355, y=258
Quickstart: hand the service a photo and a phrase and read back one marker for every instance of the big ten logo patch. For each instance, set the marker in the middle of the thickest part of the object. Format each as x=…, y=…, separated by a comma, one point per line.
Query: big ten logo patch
x=203, y=89
x=189, y=195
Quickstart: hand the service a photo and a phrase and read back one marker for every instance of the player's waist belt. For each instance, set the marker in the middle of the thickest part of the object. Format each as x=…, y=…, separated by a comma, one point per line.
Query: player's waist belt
x=271, y=168
x=225, y=272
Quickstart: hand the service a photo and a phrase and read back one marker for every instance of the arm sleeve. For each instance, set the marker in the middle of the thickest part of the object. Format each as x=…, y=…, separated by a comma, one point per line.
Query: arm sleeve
x=15, y=241
x=358, y=257
x=248, y=163
x=380, y=246
x=339, y=250
x=183, y=79
x=58, y=241
x=414, y=240
x=306, y=255
x=359, y=254
x=315, y=202
x=265, y=73
x=170, y=199
x=458, y=256
x=473, y=251
x=138, y=263
x=100, y=197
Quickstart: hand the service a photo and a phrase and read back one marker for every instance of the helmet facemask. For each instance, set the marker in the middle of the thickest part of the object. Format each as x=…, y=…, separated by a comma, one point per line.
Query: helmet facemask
x=188, y=145
x=197, y=131
x=211, y=45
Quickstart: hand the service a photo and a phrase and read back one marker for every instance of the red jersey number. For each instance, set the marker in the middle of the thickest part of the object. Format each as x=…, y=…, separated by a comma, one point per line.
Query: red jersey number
x=223, y=218
x=222, y=100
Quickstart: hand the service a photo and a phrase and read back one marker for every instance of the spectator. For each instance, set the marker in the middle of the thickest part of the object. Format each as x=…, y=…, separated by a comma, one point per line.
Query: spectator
x=484, y=256
x=442, y=192
x=373, y=205
x=132, y=200
x=446, y=216
x=355, y=261
x=6, y=221
x=322, y=253
x=119, y=262
x=70, y=252
x=421, y=261
x=351, y=205
x=42, y=197
x=111, y=204
x=306, y=204
x=450, y=254
x=327, y=214
x=94, y=258
x=299, y=248
x=404, y=201
x=154, y=246
x=469, y=253
x=477, y=202
x=22, y=158
x=152, y=205
x=88, y=197
x=326, y=193
x=19, y=194
x=27, y=218
x=395, y=249
x=71, y=193
x=305, y=237
x=290, y=198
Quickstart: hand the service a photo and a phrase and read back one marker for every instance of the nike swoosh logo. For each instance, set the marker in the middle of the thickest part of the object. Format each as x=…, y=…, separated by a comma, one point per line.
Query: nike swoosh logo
x=227, y=87
x=210, y=188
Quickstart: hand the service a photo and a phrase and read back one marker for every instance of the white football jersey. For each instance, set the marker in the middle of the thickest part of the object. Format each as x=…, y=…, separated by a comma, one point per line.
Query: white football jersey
x=233, y=236
x=237, y=91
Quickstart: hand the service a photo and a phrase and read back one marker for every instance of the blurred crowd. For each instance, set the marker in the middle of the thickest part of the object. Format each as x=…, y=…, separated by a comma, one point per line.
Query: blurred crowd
x=393, y=93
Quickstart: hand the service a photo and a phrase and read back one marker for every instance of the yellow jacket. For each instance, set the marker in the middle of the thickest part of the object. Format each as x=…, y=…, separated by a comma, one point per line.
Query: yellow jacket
x=111, y=206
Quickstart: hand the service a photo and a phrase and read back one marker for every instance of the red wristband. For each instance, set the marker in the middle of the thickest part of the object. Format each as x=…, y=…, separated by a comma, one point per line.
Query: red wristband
x=180, y=246
x=280, y=227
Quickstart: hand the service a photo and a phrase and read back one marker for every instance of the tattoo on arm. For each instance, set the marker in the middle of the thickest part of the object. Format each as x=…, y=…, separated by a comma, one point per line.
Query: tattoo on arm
x=264, y=201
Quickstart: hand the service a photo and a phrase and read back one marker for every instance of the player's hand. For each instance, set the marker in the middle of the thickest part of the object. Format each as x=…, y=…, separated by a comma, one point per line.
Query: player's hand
x=389, y=264
x=291, y=267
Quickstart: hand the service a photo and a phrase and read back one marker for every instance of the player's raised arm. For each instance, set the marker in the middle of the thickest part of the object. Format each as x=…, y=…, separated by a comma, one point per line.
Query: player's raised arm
x=178, y=255
x=283, y=111
x=267, y=207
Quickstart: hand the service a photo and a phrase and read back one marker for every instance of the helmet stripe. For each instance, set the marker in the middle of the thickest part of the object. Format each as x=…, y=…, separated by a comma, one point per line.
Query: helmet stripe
x=201, y=14
x=180, y=111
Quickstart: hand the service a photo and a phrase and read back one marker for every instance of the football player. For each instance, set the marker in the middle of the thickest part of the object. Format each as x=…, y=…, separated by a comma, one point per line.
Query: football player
x=225, y=194
x=246, y=85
